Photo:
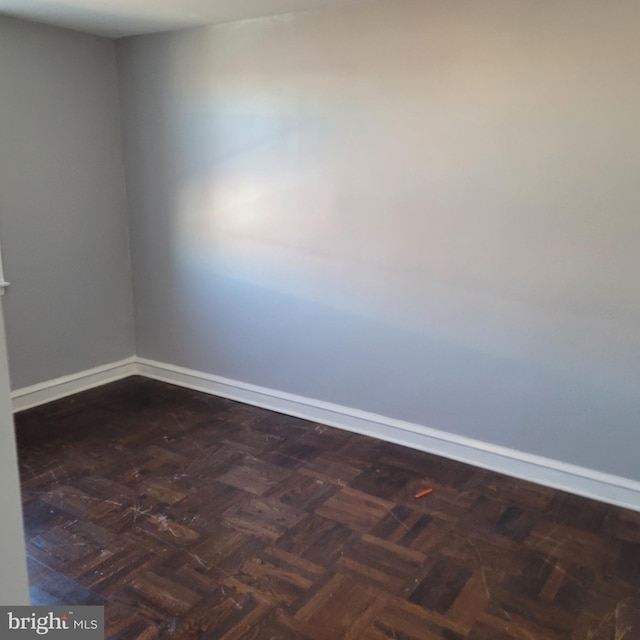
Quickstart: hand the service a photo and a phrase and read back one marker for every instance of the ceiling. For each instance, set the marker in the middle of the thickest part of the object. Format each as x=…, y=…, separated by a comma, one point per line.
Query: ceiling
x=118, y=18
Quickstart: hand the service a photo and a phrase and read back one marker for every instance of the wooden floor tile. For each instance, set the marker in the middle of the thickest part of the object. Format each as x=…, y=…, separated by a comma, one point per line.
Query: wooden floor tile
x=195, y=517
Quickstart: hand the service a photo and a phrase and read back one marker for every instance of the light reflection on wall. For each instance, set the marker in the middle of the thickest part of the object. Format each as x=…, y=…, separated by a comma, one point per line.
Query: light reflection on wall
x=380, y=204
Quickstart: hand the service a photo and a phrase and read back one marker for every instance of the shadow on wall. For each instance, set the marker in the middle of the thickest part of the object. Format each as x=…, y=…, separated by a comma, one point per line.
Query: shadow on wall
x=268, y=337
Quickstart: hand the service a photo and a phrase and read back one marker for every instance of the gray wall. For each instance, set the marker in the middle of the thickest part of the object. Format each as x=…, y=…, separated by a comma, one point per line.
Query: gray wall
x=428, y=210
x=13, y=568
x=63, y=221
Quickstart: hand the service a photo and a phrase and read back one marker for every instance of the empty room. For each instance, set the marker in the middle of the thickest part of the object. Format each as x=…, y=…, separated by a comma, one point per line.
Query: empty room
x=320, y=318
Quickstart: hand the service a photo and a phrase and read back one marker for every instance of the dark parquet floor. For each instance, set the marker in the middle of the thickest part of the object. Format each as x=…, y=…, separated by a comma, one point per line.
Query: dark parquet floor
x=190, y=516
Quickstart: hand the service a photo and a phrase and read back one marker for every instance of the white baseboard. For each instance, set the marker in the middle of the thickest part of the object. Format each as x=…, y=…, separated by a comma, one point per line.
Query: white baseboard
x=604, y=487
x=37, y=394
x=582, y=481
